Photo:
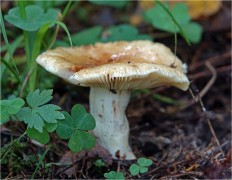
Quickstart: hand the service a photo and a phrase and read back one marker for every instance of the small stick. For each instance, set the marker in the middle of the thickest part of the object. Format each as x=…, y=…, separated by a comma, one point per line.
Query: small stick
x=199, y=174
x=208, y=121
x=211, y=81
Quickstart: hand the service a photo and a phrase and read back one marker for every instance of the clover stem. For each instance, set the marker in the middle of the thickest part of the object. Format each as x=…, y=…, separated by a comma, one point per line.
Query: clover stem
x=112, y=128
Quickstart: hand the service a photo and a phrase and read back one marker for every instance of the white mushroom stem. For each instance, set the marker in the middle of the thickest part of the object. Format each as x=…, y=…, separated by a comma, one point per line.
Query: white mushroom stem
x=112, y=128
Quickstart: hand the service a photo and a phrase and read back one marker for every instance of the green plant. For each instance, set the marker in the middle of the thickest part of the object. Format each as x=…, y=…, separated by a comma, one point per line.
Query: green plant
x=76, y=127
x=141, y=166
x=112, y=3
x=42, y=119
x=10, y=107
x=114, y=175
x=174, y=20
x=14, y=155
x=99, y=163
x=35, y=23
x=120, y=32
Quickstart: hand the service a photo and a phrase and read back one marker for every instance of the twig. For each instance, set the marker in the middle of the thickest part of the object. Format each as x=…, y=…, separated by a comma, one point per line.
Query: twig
x=208, y=121
x=199, y=174
x=171, y=161
x=67, y=167
x=211, y=81
x=219, y=58
x=204, y=73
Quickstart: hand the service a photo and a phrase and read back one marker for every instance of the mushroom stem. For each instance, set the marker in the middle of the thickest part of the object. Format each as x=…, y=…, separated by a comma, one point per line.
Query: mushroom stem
x=112, y=128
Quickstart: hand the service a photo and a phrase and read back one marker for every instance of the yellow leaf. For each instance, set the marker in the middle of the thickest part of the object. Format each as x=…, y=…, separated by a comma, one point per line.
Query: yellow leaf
x=203, y=8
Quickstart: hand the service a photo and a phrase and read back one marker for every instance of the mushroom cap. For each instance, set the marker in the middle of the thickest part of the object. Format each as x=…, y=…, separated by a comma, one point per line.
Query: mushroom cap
x=117, y=65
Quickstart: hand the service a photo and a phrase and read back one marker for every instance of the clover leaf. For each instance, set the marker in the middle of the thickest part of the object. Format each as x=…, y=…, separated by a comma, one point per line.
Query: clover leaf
x=35, y=17
x=10, y=107
x=160, y=19
x=193, y=31
x=114, y=175
x=141, y=166
x=144, y=162
x=37, y=114
x=75, y=128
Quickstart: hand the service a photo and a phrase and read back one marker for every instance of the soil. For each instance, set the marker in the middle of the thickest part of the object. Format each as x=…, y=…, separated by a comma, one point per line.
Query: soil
x=188, y=139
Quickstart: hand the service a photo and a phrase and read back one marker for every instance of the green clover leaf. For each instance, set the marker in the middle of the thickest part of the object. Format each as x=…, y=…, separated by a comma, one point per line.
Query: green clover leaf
x=144, y=162
x=75, y=128
x=114, y=175
x=160, y=19
x=81, y=140
x=134, y=169
x=141, y=166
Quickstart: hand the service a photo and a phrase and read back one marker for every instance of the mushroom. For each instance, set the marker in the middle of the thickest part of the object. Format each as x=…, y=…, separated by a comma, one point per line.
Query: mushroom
x=112, y=70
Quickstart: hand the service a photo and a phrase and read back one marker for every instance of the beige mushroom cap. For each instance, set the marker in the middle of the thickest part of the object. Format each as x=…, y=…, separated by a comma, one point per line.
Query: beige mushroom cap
x=117, y=65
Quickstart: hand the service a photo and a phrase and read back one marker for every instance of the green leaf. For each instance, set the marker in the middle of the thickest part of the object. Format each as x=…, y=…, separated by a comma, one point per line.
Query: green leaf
x=65, y=127
x=82, y=119
x=42, y=137
x=144, y=162
x=30, y=117
x=35, y=99
x=193, y=31
x=124, y=32
x=121, y=32
x=75, y=128
x=99, y=163
x=66, y=30
x=114, y=175
x=143, y=169
x=49, y=113
x=37, y=114
x=81, y=140
x=112, y=3
x=35, y=17
x=175, y=20
x=10, y=52
x=134, y=169
x=50, y=127
x=87, y=36
x=178, y=11
x=161, y=20
x=10, y=107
